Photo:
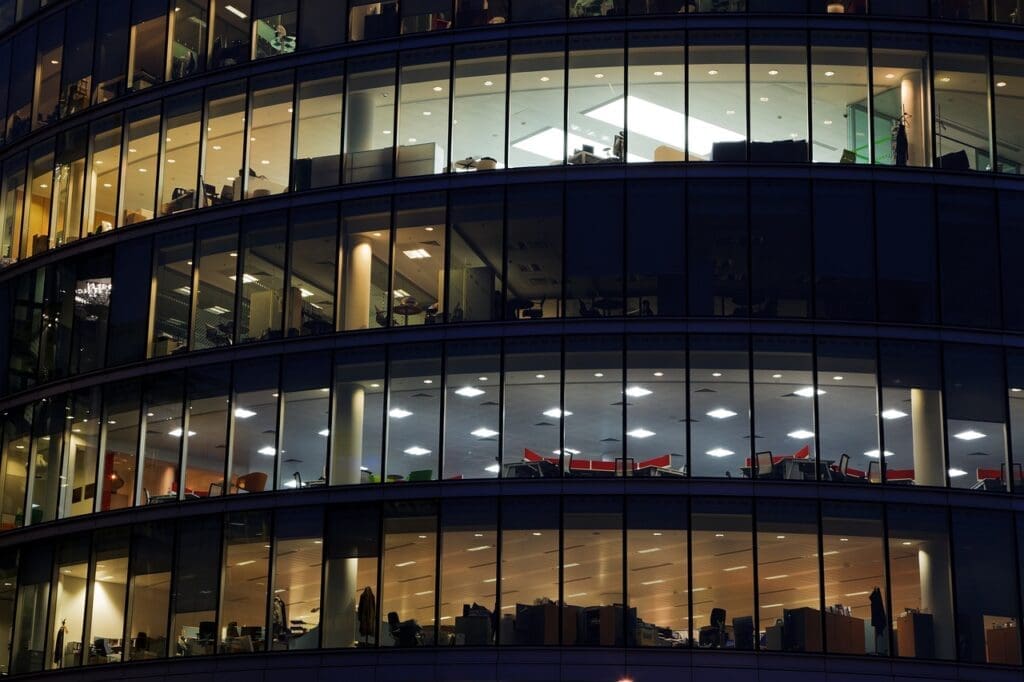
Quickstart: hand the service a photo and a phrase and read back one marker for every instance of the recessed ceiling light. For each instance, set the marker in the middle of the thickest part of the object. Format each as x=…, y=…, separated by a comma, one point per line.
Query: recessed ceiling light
x=483, y=432
x=428, y=381
x=640, y=433
x=827, y=121
x=801, y=434
x=837, y=378
x=893, y=413
x=890, y=76
x=428, y=113
x=243, y=413
x=716, y=374
x=438, y=88
x=637, y=392
x=399, y=413
x=544, y=79
x=539, y=376
x=776, y=376
x=659, y=73
x=773, y=72
x=733, y=568
x=807, y=392
x=488, y=83
x=873, y=454
x=1001, y=84
x=969, y=434
x=1016, y=390
x=416, y=451
x=829, y=74
x=492, y=469
x=324, y=432
x=957, y=473
x=469, y=391
x=556, y=413
x=661, y=374
x=598, y=374
x=237, y=12
x=177, y=433
x=385, y=132
x=720, y=452
x=416, y=254
x=945, y=79
x=267, y=450
x=721, y=413
x=404, y=564
x=764, y=99
x=712, y=72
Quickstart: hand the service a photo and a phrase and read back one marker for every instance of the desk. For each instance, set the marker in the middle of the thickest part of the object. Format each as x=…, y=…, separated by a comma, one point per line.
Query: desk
x=792, y=469
x=542, y=469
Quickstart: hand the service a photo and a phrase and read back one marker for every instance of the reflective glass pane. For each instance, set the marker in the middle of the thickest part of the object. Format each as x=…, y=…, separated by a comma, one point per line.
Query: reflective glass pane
x=717, y=123
x=408, y=574
x=530, y=571
x=298, y=559
x=318, y=126
x=306, y=385
x=469, y=560
x=164, y=431
x=262, y=266
x=255, y=418
x=536, y=103
x=142, y=138
x=840, y=97
x=270, y=135
x=209, y=390
x=478, y=104
x=656, y=405
x=419, y=255
x=243, y=611
x=473, y=421
x=224, y=140
x=531, y=446
x=723, y=575
x=370, y=119
x=592, y=543
x=423, y=112
x=656, y=105
x=358, y=419
x=414, y=408
x=213, y=317
x=172, y=294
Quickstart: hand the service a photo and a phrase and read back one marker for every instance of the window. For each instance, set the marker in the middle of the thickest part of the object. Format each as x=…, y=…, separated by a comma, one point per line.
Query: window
x=13, y=206
x=352, y=561
x=357, y=426
x=844, y=253
x=22, y=83
x=26, y=328
x=44, y=461
x=224, y=143
x=905, y=233
x=912, y=437
x=656, y=404
x=474, y=13
x=14, y=475
x=213, y=316
x=596, y=99
x=35, y=231
x=262, y=266
x=414, y=412
x=592, y=544
x=141, y=140
x=196, y=580
x=922, y=602
x=593, y=403
x=717, y=248
x=656, y=105
x=103, y=178
x=781, y=252
x=656, y=565
x=1015, y=382
x=68, y=180
x=469, y=561
x=149, y=584
x=180, y=157
x=853, y=554
x=472, y=438
x=270, y=135
x=304, y=431
x=987, y=606
x=255, y=418
x=172, y=293
x=35, y=568
x=108, y=590
x=722, y=575
x=312, y=273
x=534, y=10
x=847, y=416
x=321, y=23
x=365, y=254
x=81, y=453
x=475, y=255
x=8, y=592
x=232, y=34
x=787, y=584
x=298, y=558
x=121, y=445
x=189, y=22
x=839, y=97
x=531, y=571
x=593, y=247
x=111, y=50
x=129, y=311
x=536, y=102
x=76, y=83
x=209, y=390
x=533, y=248
x=901, y=114
x=962, y=136
x=975, y=411
x=531, y=445
x=148, y=44
x=408, y=574
x=1007, y=71
x=960, y=9
x=243, y=615
x=425, y=15
x=778, y=74
x=370, y=19
x=717, y=123
x=423, y=112
x=318, y=126
x=71, y=575
x=784, y=395
x=419, y=255
x=370, y=118
x=276, y=27
x=164, y=430
x=478, y=139
x=49, y=55
x=968, y=257
x=720, y=400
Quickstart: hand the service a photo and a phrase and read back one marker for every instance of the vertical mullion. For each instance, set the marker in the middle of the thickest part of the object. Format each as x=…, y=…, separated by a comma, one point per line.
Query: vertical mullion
x=438, y=548
x=183, y=441
x=101, y=448
x=809, y=74
x=386, y=426
x=821, y=573
x=281, y=407
x=891, y=637
x=172, y=600
x=229, y=455
x=442, y=409
x=268, y=611
x=871, y=99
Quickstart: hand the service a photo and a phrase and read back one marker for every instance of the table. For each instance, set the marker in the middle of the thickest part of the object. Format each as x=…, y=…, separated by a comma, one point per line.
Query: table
x=542, y=469
x=792, y=469
x=407, y=309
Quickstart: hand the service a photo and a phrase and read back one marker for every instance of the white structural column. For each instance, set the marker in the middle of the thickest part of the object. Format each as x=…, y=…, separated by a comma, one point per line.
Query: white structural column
x=926, y=416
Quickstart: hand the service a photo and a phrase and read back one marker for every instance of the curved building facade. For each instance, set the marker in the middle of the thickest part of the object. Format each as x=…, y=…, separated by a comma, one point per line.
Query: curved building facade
x=342, y=339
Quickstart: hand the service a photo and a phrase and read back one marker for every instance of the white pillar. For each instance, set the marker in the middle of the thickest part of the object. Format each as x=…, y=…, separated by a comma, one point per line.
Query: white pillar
x=912, y=102
x=347, y=454
x=926, y=418
x=340, y=623
x=356, y=285
x=933, y=566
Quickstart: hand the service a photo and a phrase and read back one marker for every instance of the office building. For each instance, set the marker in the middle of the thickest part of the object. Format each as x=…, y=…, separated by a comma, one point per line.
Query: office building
x=511, y=339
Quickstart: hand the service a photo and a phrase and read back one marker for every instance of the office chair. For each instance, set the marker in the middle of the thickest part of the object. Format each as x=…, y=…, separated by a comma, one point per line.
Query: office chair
x=406, y=633
x=844, y=463
x=714, y=636
x=743, y=633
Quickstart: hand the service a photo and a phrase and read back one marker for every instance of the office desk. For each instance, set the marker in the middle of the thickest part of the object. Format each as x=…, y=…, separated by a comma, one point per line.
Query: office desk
x=1002, y=645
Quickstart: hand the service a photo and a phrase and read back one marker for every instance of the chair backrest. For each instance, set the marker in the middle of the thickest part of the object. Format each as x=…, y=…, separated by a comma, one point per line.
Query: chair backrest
x=253, y=482
x=844, y=462
x=215, y=489
x=718, y=618
x=763, y=461
x=393, y=621
x=420, y=475
x=874, y=472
